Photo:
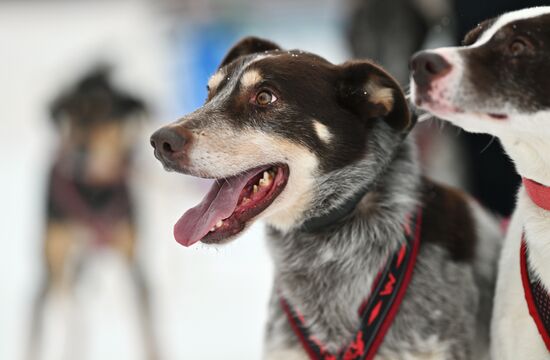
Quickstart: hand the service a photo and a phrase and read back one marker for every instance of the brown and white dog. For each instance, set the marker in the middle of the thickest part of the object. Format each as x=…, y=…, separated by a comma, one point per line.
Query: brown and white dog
x=89, y=206
x=321, y=153
x=499, y=83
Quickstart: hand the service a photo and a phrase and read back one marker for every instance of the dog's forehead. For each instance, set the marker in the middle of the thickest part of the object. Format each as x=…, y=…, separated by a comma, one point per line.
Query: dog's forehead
x=510, y=19
x=228, y=71
x=289, y=60
x=248, y=71
x=267, y=63
x=225, y=79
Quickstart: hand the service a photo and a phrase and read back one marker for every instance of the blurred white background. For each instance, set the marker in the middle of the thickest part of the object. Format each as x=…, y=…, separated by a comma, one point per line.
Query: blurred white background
x=208, y=302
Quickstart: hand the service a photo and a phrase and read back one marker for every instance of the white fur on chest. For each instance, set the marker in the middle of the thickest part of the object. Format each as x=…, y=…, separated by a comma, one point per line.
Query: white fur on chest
x=514, y=333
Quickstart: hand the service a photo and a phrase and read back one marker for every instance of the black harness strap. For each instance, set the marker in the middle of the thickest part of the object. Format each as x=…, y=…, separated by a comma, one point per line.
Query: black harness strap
x=379, y=309
x=321, y=222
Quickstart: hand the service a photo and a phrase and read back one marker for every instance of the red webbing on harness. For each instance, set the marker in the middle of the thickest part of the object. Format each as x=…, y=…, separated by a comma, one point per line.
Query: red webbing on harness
x=67, y=197
x=530, y=288
x=379, y=309
x=539, y=193
x=536, y=295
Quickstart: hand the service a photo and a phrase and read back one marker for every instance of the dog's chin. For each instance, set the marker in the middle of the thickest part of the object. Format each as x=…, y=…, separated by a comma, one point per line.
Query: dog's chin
x=440, y=108
x=457, y=114
x=232, y=205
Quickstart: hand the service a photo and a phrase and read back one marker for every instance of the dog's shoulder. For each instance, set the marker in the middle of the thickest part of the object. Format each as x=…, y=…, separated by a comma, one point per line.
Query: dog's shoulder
x=448, y=220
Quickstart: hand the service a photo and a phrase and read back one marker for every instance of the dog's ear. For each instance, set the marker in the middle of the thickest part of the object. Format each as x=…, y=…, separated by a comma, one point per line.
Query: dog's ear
x=370, y=92
x=94, y=98
x=248, y=45
x=58, y=110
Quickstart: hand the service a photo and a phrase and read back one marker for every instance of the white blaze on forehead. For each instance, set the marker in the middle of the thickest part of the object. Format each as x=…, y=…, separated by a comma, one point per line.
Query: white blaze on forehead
x=322, y=131
x=215, y=80
x=250, y=78
x=509, y=18
x=239, y=74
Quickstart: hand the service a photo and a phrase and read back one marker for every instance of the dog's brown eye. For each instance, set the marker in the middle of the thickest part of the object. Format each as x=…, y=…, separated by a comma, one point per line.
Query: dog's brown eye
x=265, y=97
x=519, y=46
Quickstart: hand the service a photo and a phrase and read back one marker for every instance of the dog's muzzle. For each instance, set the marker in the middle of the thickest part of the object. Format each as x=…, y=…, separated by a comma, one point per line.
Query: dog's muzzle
x=171, y=146
x=428, y=66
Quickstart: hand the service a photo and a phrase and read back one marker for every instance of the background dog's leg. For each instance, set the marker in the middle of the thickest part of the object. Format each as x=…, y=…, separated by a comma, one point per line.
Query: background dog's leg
x=125, y=243
x=58, y=244
x=145, y=312
x=37, y=316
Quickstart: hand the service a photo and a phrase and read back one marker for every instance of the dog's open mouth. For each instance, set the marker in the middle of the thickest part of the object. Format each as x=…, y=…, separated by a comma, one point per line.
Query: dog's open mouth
x=230, y=204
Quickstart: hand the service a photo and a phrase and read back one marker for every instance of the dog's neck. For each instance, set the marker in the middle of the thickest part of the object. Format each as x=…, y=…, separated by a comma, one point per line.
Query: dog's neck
x=530, y=155
x=326, y=275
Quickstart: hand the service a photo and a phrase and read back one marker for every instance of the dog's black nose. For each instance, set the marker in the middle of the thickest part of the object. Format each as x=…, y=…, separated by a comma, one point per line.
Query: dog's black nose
x=168, y=142
x=427, y=66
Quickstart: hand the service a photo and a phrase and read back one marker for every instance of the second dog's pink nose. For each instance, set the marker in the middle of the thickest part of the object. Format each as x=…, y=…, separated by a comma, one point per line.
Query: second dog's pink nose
x=427, y=66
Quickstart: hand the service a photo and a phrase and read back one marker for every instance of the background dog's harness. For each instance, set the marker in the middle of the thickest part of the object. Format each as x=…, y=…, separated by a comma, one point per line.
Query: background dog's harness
x=536, y=295
x=70, y=199
x=378, y=311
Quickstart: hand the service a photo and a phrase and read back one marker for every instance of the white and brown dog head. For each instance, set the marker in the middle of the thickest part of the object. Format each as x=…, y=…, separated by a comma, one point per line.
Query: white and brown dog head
x=499, y=79
x=498, y=83
x=275, y=128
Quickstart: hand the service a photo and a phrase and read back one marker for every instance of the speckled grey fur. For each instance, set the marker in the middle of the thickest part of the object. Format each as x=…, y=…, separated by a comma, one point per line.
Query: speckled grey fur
x=326, y=276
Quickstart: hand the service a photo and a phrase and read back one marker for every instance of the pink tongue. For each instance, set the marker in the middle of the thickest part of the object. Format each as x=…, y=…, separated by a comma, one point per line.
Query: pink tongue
x=219, y=204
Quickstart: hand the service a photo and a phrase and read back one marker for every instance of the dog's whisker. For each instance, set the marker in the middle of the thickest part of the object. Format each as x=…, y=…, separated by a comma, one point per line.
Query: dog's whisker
x=442, y=124
x=488, y=144
x=426, y=116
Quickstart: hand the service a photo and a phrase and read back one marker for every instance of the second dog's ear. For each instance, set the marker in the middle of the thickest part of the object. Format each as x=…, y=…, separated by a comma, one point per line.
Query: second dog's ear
x=370, y=92
x=248, y=45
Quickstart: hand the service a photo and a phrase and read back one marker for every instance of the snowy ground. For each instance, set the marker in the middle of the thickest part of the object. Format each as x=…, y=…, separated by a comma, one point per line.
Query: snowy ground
x=209, y=303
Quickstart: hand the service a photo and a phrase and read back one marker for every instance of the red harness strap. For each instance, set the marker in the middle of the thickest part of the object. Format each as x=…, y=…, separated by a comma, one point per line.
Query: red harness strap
x=378, y=310
x=539, y=193
x=536, y=295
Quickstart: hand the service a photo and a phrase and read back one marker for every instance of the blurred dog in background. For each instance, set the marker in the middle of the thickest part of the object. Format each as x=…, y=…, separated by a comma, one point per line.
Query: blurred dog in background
x=89, y=205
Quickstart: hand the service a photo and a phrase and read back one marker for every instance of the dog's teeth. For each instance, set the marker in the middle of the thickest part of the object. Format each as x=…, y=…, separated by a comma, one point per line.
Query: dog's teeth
x=266, y=179
x=255, y=188
x=213, y=229
x=245, y=200
x=264, y=182
x=219, y=224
